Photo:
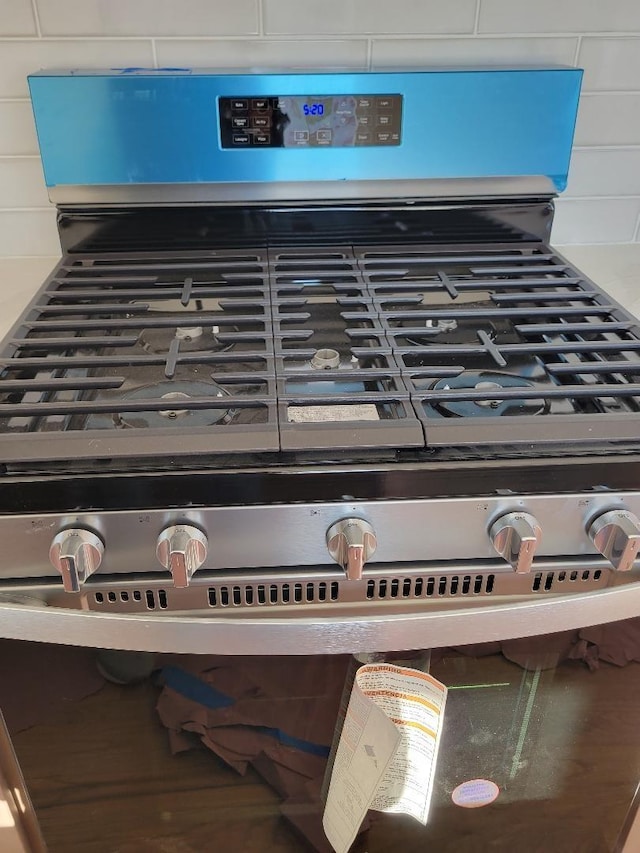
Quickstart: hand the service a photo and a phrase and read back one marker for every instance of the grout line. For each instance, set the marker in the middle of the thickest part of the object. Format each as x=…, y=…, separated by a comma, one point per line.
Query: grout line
x=19, y=156
x=577, y=53
x=83, y=37
x=154, y=53
x=636, y=233
x=260, y=18
x=36, y=17
x=50, y=209
x=477, y=17
x=18, y=100
x=596, y=92
x=629, y=147
x=369, y=54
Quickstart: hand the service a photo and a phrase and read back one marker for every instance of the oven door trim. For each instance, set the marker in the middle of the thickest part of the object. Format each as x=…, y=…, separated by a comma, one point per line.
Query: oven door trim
x=319, y=632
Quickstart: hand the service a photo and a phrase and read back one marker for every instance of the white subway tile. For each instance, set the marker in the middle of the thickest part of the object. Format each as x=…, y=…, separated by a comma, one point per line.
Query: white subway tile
x=612, y=63
x=614, y=172
x=262, y=53
x=16, y=18
x=20, y=57
x=22, y=182
x=148, y=17
x=610, y=119
x=595, y=220
x=558, y=16
x=315, y=17
x=514, y=51
x=28, y=232
x=17, y=130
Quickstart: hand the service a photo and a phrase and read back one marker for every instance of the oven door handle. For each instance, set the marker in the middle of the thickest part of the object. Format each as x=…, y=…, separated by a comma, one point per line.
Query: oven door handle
x=320, y=631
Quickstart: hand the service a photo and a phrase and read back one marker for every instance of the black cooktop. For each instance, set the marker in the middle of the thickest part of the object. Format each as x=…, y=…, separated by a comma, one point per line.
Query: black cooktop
x=324, y=350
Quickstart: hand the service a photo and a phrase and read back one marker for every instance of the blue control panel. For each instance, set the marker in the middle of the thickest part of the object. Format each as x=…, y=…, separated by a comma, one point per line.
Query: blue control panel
x=127, y=127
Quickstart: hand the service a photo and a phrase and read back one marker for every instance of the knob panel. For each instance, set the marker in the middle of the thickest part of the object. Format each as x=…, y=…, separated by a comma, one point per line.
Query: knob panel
x=351, y=542
x=182, y=548
x=76, y=553
x=515, y=536
x=616, y=534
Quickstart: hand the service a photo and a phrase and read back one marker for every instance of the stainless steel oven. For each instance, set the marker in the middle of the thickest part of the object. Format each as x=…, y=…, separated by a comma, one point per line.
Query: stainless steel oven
x=310, y=385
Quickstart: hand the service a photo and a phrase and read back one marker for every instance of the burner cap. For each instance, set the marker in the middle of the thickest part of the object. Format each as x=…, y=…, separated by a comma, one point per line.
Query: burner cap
x=175, y=415
x=490, y=406
x=325, y=359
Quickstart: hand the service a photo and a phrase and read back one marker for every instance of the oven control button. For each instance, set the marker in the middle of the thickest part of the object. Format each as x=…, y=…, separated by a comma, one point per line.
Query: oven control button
x=515, y=536
x=76, y=553
x=182, y=548
x=616, y=534
x=351, y=542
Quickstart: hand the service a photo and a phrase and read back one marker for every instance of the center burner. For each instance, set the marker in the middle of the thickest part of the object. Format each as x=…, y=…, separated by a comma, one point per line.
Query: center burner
x=488, y=406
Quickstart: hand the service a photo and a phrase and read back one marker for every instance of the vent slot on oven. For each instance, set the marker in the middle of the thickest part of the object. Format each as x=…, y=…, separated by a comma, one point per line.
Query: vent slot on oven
x=548, y=581
x=430, y=587
x=154, y=599
x=249, y=595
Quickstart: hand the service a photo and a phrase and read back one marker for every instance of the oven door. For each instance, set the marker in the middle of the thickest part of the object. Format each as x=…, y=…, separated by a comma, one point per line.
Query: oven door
x=194, y=734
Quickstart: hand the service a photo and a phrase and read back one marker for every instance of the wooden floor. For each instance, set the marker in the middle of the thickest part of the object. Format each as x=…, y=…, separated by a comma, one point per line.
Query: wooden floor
x=103, y=780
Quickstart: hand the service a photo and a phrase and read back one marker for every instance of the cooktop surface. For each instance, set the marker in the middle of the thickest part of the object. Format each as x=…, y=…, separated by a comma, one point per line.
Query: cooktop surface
x=322, y=349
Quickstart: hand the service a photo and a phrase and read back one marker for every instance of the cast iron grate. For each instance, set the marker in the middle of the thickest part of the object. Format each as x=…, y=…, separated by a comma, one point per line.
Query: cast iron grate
x=316, y=348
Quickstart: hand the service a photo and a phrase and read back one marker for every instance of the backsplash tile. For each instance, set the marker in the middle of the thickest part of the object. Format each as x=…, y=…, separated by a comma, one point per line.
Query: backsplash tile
x=148, y=17
x=22, y=182
x=16, y=18
x=28, y=233
x=558, y=16
x=17, y=129
x=611, y=119
x=610, y=172
x=610, y=63
x=601, y=220
x=295, y=17
x=265, y=53
x=603, y=198
x=20, y=57
x=470, y=51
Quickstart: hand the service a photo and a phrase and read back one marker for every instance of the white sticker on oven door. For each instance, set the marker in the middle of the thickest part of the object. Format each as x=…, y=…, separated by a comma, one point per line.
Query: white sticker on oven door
x=386, y=758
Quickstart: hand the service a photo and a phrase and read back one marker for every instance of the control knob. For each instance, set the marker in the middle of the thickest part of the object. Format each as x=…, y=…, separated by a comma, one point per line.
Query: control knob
x=616, y=534
x=76, y=553
x=351, y=542
x=182, y=548
x=515, y=536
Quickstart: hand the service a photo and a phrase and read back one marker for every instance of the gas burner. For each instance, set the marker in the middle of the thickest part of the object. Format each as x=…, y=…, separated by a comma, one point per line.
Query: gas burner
x=192, y=339
x=487, y=382
x=175, y=415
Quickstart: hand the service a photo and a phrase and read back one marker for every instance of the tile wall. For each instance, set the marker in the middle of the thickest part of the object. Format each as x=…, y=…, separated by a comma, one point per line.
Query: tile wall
x=602, y=203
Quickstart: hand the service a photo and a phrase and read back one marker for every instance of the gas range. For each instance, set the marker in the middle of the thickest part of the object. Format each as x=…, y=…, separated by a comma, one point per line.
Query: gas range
x=380, y=409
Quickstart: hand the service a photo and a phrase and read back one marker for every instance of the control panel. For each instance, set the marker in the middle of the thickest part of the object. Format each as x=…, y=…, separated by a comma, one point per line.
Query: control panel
x=310, y=121
x=518, y=533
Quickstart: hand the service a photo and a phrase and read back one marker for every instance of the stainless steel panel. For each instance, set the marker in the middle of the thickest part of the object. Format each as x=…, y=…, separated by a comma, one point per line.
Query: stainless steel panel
x=320, y=631
x=296, y=191
x=437, y=530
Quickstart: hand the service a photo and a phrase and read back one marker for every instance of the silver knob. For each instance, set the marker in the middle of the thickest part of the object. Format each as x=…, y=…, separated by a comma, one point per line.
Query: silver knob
x=616, y=534
x=515, y=536
x=182, y=548
x=76, y=553
x=351, y=542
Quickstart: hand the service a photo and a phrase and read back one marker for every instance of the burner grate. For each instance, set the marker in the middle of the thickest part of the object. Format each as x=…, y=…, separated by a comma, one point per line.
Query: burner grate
x=327, y=348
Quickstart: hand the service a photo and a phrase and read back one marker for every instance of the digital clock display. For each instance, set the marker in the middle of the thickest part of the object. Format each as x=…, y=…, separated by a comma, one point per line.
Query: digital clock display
x=310, y=121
